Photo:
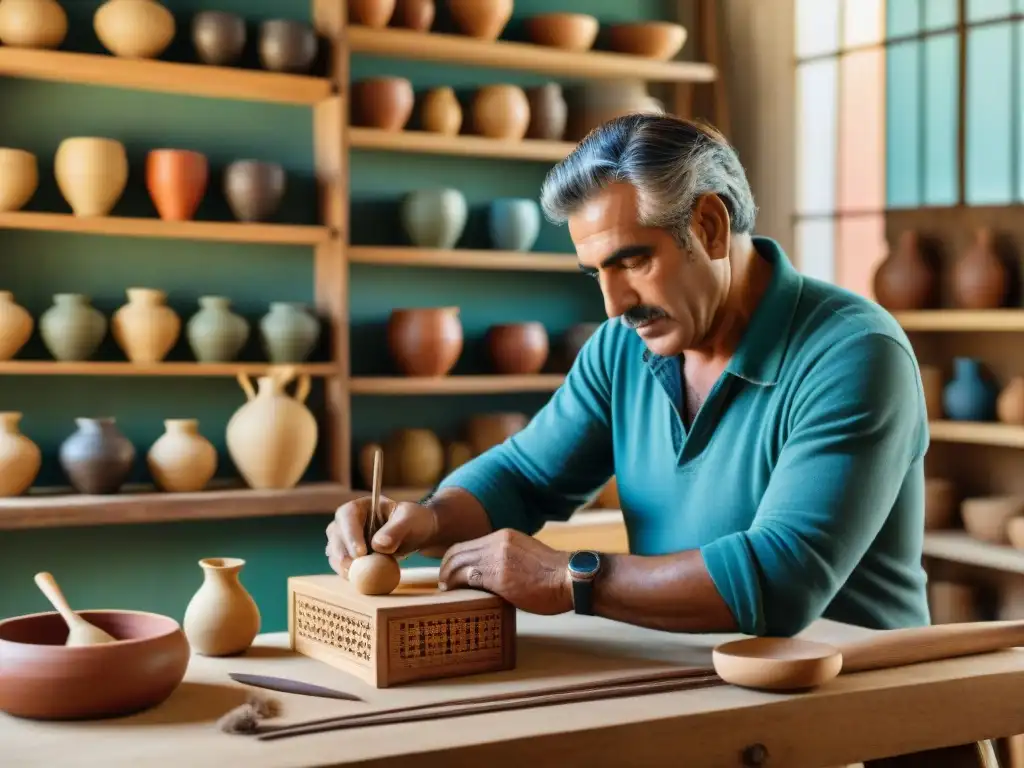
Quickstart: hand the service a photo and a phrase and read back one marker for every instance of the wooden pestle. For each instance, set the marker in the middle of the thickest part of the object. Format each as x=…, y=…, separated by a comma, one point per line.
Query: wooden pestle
x=80, y=631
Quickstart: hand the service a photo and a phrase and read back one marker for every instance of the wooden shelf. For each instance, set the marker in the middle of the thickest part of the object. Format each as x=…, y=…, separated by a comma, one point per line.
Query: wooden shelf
x=962, y=320
x=464, y=259
x=163, y=76
x=225, y=231
x=959, y=547
x=977, y=433
x=525, y=57
x=454, y=385
x=467, y=146
x=118, y=368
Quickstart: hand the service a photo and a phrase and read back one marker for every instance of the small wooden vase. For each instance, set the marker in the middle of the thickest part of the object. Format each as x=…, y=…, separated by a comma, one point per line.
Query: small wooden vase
x=20, y=458
x=19, y=177
x=16, y=326
x=91, y=173
x=440, y=111
x=904, y=280
x=980, y=279
x=182, y=460
x=221, y=619
x=145, y=328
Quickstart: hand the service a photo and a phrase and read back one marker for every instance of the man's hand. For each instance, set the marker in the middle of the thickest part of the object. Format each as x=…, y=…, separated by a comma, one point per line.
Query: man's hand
x=408, y=528
x=517, y=567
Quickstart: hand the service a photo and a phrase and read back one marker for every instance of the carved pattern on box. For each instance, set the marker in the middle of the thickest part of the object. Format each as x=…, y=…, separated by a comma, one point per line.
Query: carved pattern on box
x=446, y=639
x=348, y=631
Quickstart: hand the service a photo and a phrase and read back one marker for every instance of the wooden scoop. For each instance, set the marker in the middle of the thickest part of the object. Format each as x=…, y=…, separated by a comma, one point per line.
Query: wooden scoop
x=792, y=664
x=80, y=631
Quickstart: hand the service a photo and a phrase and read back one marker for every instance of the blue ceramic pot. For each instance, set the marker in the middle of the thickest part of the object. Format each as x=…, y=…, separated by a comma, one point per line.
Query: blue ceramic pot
x=514, y=223
x=969, y=396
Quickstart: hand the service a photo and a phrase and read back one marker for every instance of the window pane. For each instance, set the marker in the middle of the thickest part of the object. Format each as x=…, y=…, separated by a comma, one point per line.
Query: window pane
x=815, y=248
x=862, y=132
x=817, y=27
x=989, y=115
x=979, y=10
x=942, y=14
x=816, y=116
x=861, y=246
x=941, y=129
x=863, y=21
x=903, y=126
x=902, y=17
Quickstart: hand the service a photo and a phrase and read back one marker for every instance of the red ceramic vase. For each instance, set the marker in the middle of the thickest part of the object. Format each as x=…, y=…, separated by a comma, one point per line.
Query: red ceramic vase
x=176, y=180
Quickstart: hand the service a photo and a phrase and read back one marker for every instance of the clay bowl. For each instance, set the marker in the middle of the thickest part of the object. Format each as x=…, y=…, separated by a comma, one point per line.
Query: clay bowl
x=383, y=102
x=42, y=679
x=651, y=39
x=568, y=31
x=482, y=19
x=986, y=518
x=518, y=348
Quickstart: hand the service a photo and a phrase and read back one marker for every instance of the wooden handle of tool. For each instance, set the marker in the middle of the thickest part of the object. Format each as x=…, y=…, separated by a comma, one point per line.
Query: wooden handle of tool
x=899, y=647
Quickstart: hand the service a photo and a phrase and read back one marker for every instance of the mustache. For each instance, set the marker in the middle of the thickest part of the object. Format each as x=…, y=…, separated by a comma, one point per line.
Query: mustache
x=637, y=316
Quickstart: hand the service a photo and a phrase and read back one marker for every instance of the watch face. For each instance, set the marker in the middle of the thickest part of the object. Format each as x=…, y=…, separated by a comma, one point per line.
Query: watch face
x=584, y=562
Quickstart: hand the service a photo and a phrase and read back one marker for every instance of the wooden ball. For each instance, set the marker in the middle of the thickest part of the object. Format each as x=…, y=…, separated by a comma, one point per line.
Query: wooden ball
x=375, y=574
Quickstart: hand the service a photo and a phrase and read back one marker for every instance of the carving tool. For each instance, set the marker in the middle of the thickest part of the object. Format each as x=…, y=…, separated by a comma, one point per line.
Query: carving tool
x=285, y=685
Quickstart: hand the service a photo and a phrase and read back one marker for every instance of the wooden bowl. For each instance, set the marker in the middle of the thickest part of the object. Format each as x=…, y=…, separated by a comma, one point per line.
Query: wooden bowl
x=567, y=31
x=42, y=679
x=986, y=518
x=651, y=39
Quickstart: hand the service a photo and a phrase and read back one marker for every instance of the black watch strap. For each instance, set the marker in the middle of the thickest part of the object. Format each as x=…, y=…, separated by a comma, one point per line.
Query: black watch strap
x=583, y=597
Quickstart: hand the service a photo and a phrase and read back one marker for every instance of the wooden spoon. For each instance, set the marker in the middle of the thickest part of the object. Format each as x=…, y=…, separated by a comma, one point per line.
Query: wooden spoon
x=80, y=631
x=792, y=664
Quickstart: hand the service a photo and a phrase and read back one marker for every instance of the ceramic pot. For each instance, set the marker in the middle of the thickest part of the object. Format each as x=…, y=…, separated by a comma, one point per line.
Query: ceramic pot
x=145, y=328
x=20, y=458
x=215, y=333
x=1010, y=403
x=905, y=280
x=592, y=104
x=97, y=458
x=91, y=173
x=456, y=454
x=568, y=31
x=417, y=457
x=518, y=348
x=415, y=14
x=16, y=325
x=383, y=102
x=221, y=619
x=289, y=332
x=931, y=383
x=425, y=341
x=980, y=279
x=181, y=460
x=549, y=112
x=577, y=335
x=254, y=189
x=483, y=20
x=72, y=329
x=287, y=46
x=19, y=177
x=969, y=395
x=218, y=37
x=32, y=23
x=940, y=503
x=271, y=438
x=486, y=430
x=176, y=180
x=434, y=218
x=513, y=223
x=500, y=112
x=440, y=111
x=371, y=13
x=660, y=40
x=134, y=29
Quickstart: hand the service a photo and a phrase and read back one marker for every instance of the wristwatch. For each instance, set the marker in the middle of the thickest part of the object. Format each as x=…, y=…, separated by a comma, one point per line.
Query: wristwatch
x=584, y=565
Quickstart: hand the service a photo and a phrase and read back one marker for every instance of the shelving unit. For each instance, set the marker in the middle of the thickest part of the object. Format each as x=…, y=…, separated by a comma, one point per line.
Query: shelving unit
x=332, y=253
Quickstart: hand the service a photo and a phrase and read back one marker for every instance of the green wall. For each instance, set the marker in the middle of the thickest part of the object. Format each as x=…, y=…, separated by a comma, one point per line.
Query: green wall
x=153, y=566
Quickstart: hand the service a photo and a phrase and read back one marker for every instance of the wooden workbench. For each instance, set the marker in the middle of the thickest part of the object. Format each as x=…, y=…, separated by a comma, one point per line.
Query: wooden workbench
x=858, y=717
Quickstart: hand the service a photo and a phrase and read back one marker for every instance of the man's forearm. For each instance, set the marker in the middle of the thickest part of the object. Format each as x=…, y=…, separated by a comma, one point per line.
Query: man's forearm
x=459, y=517
x=668, y=592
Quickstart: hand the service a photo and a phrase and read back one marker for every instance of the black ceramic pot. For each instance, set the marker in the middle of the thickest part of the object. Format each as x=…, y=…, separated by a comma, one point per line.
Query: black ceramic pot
x=287, y=46
x=218, y=37
x=254, y=189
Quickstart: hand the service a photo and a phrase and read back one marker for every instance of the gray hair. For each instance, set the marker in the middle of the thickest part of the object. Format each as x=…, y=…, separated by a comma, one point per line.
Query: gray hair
x=672, y=162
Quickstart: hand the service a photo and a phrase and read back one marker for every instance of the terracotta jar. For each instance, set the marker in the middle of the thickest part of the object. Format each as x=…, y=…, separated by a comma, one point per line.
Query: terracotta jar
x=418, y=456
x=440, y=111
x=145, y=328
x=518, y=348
x=425, y=341
x=549, y=112
x=980, y=279
x=382, y=102
x=218, y=37
x=19, y=177
x=134, y=29
x=289, y=332
x=32, y=23
x=434, y=218
x=905, y=280
x=72, y=329
x=254, y=189
x=500, y=112
x=91, y=173
x=16, y=325
x=20, y=458
x=272, y=437
x=286, y=45
x=221, y=619
x=176, y=180
x=415, y=14
x=485, y=430
x=370, y=13
x=456, y=453
x=181, y=460
x=483, y=19
x=97, y=458
x=1010, y=403
x=215, y=333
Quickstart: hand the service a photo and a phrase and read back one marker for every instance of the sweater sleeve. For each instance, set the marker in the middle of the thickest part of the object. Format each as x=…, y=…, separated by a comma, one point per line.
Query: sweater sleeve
x=559, y=460
x=856, y=427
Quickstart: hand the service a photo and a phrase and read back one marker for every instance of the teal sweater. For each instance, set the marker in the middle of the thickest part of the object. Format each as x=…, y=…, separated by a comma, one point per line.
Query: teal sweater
x=801, y=481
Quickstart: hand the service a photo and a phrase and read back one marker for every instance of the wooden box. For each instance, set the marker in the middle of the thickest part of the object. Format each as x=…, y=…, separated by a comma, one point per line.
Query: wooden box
x=415, y=633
